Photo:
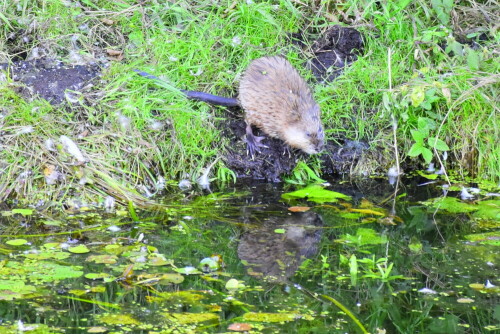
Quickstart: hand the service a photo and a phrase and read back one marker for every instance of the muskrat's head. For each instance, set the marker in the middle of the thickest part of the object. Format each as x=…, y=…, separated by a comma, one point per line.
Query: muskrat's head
x=306, y=134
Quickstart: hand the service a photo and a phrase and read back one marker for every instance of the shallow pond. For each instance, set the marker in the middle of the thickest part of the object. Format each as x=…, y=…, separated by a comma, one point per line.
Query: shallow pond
x=261, y=258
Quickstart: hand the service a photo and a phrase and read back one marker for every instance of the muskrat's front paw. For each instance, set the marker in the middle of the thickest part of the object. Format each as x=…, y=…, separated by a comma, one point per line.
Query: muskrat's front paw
x=253, y=144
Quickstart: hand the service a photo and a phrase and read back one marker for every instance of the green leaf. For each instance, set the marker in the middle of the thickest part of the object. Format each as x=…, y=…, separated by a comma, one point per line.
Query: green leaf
x=427, y=154
x=80, y=249
x=489, y=210
x=438, y=144
x=316, y=193
x=427, y=176
x=418, y=136
x=417, y=96
x=353, y=269
x=17, y=242
x=24, y=212
x=280, y=231
x=415, y=150
x=425, y=124
x=473, y=59
x=451, y=204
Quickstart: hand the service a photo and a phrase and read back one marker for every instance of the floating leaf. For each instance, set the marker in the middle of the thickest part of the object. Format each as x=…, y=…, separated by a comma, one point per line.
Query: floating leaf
x=239, y=327
x=269, y=317
x=490, y=238
x=80, y=249
x=94, y=276
x=106, y=259
x=157, y=260
x=17, y=242
x=14, y=289
x=191, y=318
x=50, y=272
x=24, y=212
x=451, y=204
x=428, y=176
x=368, y=212
x=316, y=193
x=488, y=210
x=299, y=208
x=52, y=222
x=280, y=231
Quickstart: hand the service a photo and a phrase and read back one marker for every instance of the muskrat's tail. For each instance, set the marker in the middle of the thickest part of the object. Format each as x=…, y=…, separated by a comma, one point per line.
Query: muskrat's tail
x=194, y=95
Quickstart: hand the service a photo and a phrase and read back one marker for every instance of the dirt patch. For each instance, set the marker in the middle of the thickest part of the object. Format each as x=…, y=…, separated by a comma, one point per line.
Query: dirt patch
x=337, y=48
x=279, y=159
x=50, y=79
x=268, y=164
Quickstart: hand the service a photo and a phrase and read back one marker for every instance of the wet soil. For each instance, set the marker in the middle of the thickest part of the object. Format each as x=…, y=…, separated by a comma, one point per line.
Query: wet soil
x=334, y=49
x=278, y=159
x=50, y=79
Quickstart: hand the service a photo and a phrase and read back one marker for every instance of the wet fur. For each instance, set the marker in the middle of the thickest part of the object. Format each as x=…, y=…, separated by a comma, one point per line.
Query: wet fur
x=278, y=101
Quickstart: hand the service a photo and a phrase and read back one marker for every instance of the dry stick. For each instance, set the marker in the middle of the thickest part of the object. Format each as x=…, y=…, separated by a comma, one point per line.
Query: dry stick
x=394, y=123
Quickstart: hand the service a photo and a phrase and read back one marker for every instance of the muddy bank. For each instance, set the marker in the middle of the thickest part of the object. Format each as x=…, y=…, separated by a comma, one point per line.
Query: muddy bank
x=50, y=79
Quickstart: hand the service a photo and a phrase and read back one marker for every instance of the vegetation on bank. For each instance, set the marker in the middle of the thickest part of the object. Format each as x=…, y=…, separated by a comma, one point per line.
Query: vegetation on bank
x=426, y=84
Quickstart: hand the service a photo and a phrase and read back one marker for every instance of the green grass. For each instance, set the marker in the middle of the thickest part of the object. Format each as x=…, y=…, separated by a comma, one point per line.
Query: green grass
x=203, y=46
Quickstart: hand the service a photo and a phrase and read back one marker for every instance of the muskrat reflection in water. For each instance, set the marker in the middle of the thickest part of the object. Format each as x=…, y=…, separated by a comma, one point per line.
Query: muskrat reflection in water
x=276, y=257
x=277, y=100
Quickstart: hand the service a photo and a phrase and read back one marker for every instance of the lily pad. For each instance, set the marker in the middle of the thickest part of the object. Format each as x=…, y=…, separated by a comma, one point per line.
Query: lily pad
x=17, y=242
x=269, y=317
x=451, y=204
x=316, y=193
x=190, y=318
x=80, y=249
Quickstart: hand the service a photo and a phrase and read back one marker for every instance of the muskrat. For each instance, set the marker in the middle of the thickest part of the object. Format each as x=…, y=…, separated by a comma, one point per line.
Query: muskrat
x=277, y=100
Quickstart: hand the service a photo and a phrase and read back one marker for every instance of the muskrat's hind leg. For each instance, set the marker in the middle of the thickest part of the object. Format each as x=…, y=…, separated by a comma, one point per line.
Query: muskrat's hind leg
x=253, y=142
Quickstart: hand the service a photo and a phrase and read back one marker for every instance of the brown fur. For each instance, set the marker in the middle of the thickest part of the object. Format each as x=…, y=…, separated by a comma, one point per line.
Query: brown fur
x=278, y=101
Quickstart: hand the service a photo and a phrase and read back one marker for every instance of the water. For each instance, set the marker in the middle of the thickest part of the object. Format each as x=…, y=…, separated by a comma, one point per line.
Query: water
x=241, y=257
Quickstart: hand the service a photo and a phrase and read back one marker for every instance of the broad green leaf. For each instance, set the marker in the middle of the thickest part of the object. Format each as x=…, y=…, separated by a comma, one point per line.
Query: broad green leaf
x=425, y=124
x=191, y=318
x=316, y=193
x=438, y=144
x=418, y=136
x=427, y=154
x=489, y=210
x=17, y=242
x=415, y=150
x=451, y=204
x=80, y=249
x=428, y=176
